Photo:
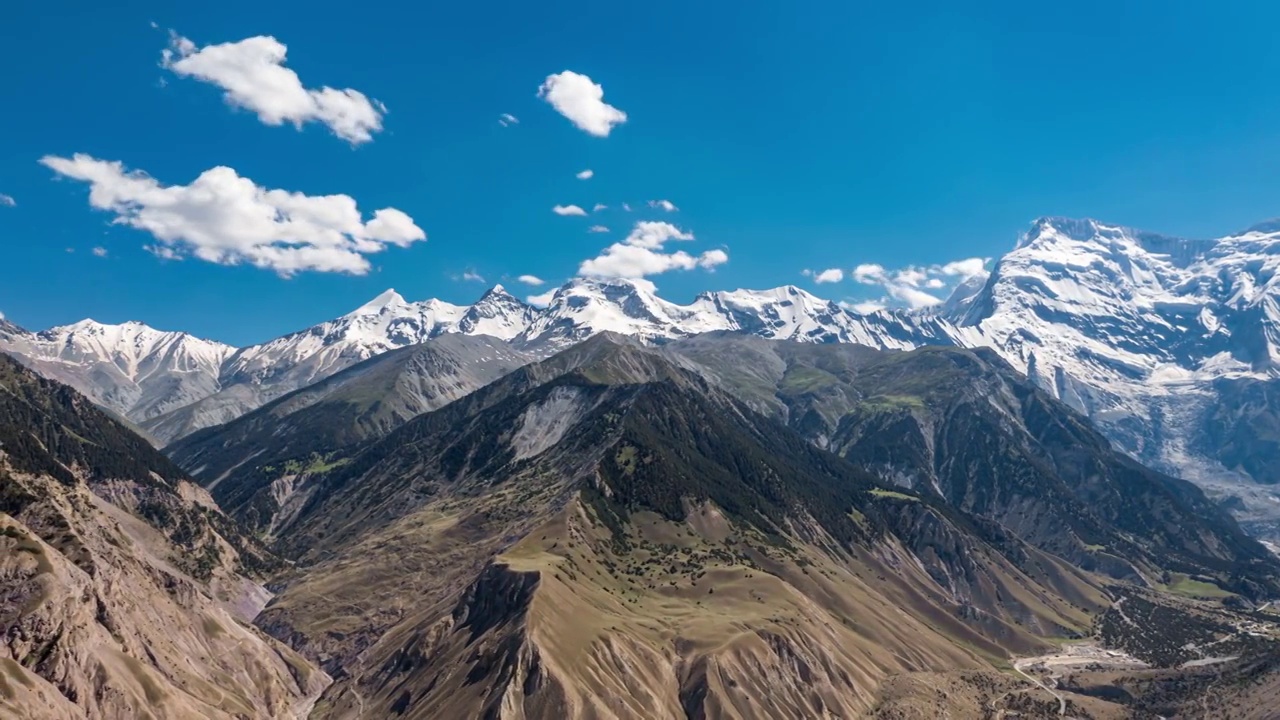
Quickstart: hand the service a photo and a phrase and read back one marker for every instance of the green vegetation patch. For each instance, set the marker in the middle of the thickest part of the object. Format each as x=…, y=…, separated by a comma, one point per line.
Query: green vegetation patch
x=1188, y=587
x=882, y=493
x=802, y=379
x=895, y=402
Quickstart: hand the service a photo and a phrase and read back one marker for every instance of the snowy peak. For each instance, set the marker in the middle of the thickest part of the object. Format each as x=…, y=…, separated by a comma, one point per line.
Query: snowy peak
x=586, y=307
x=1131, y=301
x=130, y=368
x=131, y=346
x=497, y=313
x=387, y=299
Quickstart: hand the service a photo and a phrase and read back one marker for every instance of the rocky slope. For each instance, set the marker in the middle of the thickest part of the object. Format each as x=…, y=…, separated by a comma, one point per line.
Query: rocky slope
x=283, y=439
x=963, y=425
x=618, y=531
x=124, y=587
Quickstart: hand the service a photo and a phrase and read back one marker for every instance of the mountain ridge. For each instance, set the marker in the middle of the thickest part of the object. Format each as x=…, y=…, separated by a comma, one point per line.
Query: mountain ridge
x=1146, y=334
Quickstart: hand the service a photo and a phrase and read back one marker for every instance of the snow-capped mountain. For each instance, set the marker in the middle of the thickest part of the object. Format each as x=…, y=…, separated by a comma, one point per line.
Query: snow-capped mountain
x=1171, y=346
x=132, y=369
x=587, y=307
x=258, y=374
x=1151, y=336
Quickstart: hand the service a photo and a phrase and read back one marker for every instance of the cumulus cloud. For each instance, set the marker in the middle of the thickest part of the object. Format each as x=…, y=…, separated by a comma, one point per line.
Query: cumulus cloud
x=585, y=174
x=227, y=219
x=862, y=308
x=666, y=205
x=7, y=201
x=252, y=75
x=507, y=120
x=599, y=206
x=597, y=229
x=908, y=285
x=868, y=273
x=472, y=276
x=580, y=100
x=830, y=275
x=541, y=301
x=966, y=268
x=568, y=210
x=533, y=280
x=100, y=251
x=642, y=253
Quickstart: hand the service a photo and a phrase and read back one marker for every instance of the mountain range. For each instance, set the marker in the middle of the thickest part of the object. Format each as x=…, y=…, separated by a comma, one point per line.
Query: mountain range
x=1168, y=345
x=716, y=525
x=622, y=526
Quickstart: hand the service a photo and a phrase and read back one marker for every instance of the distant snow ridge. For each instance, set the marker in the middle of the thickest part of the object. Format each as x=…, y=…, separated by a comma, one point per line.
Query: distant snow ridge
x=1149, y=335
x=135, y=370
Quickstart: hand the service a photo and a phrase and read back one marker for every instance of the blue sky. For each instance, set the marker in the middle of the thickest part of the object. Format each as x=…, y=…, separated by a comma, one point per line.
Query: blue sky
x=790, y=136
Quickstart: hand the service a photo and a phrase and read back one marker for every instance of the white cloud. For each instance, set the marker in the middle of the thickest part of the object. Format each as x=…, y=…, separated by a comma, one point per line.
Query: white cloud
x=653, y=235
x=911, y=276
x=568, y=210
x=543, y=300
x=7, y=200
x=507, y=120
x=576, y=97
x=227, y=219
x=641, y=254
x=164, y=252
x=868, y=274
x=597, y=229
x=533, y=280
x=912, y=297
x=907, y=285
x=626, y=207
x=966, y=268
x=666, y=205
x=585, y=174
x=100, y=251
x=863, y=308
x=830, y=275
x=472, y=276
x=253, y=76
x=599, y=206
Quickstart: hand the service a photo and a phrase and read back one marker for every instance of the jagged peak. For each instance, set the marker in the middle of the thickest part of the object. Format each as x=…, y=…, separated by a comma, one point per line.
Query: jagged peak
x=387, y=298
x=783, y=292
x=499, y=293
x=1081, y=229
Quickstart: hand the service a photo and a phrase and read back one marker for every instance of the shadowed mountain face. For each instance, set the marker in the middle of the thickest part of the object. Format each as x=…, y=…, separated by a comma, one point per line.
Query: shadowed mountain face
x=365, y=401
x=124, y=587
x=717, y=527
x=961, y=425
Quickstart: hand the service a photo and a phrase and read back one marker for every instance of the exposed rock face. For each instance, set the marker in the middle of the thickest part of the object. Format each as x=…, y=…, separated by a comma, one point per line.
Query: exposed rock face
x=97, y=613
x=122, y=586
